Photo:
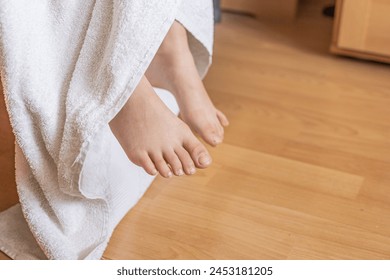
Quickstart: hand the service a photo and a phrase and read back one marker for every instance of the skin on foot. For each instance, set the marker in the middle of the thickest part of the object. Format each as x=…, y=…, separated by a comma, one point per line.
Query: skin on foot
x=173, y=68
x=154, y=138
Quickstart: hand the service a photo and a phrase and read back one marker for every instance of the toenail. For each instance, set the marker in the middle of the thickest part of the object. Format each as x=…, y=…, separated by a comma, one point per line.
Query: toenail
x=169, y=175
x=204, y=160
x=192, y=170
x=180, y=172
x=154, y=172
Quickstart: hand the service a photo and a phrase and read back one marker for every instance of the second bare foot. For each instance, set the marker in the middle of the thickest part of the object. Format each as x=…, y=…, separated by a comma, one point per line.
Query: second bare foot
x=173, y=68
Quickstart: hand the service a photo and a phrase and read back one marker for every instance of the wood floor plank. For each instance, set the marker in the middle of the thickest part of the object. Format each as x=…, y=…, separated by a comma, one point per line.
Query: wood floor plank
x=288, y=172
x=315, y=249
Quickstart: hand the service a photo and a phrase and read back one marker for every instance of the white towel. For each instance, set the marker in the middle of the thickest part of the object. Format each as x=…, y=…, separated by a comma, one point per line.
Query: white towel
x=67, y=68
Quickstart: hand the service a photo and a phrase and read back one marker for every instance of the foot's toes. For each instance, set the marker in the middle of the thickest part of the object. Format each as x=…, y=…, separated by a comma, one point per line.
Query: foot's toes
x=146, y=163
x=222, y=118
x=162, y=166
x=186, y=161
x=174, y=162
x=198, y=152
x=213, y=135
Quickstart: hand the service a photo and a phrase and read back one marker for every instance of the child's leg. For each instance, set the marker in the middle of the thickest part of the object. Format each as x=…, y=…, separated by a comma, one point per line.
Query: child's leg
x=173, y=68
x=153, y=137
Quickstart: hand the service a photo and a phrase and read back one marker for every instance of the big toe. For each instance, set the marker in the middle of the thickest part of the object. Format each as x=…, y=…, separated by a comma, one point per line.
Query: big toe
x=198, y=153
x=212, y=134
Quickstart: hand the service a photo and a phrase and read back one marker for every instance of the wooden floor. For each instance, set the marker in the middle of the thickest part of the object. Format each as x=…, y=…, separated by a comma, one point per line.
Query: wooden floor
x=304, y=172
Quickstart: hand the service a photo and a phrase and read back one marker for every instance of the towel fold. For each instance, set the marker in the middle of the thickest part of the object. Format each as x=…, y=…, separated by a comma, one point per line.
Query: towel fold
x=67, y=68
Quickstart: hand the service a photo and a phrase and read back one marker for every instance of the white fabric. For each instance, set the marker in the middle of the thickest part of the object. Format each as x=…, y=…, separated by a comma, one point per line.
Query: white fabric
x=67, y=68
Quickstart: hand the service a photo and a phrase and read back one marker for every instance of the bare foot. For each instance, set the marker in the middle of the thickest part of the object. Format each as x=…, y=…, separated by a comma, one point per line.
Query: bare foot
x=173, y=68
x=154, y=138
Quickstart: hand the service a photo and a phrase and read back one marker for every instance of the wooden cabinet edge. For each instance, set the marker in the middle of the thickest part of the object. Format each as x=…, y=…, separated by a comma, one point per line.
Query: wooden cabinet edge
x=335, y=49
x=361, y=55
